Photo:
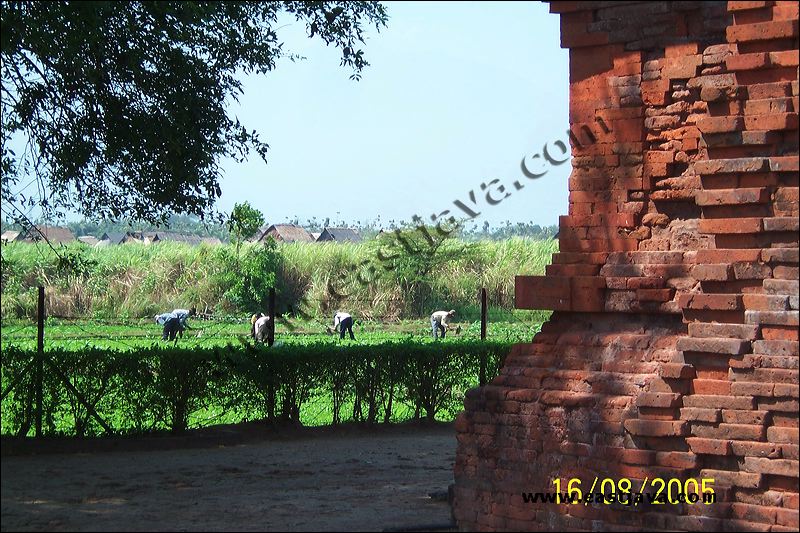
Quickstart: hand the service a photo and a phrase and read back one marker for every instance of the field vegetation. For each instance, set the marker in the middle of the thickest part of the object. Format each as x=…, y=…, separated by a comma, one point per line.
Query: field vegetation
x=136, y=280
x=108, y=371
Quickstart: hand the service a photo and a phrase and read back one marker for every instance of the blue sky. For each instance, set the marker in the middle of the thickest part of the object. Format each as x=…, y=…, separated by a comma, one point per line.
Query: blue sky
x=455, y=96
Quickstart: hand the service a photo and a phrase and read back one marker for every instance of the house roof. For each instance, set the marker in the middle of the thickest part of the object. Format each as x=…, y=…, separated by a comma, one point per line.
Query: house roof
x=171, y=236
x=114, y=237
x=91, y=240
x=54, y=234
x=258, y=235
x=287, y=233
x=9, y=235
x=340, y=235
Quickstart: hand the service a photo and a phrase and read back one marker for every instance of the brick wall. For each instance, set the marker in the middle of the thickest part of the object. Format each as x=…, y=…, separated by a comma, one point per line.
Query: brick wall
x=673, y=348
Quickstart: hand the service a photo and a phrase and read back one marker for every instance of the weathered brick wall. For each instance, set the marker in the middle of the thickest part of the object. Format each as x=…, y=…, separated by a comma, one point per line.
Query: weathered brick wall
x=673, y=351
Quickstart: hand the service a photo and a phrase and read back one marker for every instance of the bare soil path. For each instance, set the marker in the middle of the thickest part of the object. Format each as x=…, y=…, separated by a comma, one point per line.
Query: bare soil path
x=245, y=479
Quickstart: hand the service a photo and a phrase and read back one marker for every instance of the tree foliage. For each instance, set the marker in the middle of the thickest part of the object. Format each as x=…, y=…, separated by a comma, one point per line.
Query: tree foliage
x=414, y=258
x=122, y=105
x=244, y=222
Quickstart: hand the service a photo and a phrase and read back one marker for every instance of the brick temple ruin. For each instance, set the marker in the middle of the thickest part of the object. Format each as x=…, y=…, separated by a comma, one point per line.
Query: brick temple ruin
x=673, y=349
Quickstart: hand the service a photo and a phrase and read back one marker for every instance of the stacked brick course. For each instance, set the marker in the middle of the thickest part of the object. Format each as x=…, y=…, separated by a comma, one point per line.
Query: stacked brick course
x=673, y=349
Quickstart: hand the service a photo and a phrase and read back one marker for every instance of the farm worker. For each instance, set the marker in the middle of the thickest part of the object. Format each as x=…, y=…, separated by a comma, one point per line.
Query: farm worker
x=440, y=321
x=343, y=321
x=160, y=319
x=176, y=323
x=261, y=328
x=253, y=320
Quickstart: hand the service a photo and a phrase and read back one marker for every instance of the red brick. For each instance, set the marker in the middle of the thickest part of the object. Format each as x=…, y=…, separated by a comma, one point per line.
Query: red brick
x=656, y=428
x=731, y=331
x=787, y=390
x=728, y=478
x=780, y=255
x=726, y=256
x=753, y=513
x=782, y=333
x=762, y=31
x=772, y=122
x=720, y=124
x=721, y=302
x=729, y=431
x=572, y=270
x=783, y=435
x=700, y=415
x=753, y=61
x=540, y=292
x=761, y=91
x=785, y=272
x=755, y=449
x=733, y=5
x=721, y=272
x=787, y=517
x=768, y=106
x=750, y=389
x=676, y=371
x=656, y=399
x=791, y=501
x=676, y=459
x=789, y=163
x=758, y=195
x=751, y=271
x=712, y=345
x=778, y=318
x=778, y=467
x=711, y=386
x=730, y=225
x=785, y=58
x=781, y=224
x=682, y=67
x=762, y=302
x=655, y=295
x=718, y=402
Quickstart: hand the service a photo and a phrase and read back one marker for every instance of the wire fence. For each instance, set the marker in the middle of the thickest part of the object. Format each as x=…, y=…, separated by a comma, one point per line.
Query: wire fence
x=58, y=333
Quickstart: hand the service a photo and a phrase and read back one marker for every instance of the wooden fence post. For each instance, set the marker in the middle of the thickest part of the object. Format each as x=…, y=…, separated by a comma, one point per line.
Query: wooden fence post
x=39, y=362
x=482, y=376
x=271, y=311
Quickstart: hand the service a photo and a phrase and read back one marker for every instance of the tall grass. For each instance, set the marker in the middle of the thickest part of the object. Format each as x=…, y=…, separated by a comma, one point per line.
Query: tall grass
x=137, y=280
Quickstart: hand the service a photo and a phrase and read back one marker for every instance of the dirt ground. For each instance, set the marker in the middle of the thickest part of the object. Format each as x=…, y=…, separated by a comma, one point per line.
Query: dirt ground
x=244, y=478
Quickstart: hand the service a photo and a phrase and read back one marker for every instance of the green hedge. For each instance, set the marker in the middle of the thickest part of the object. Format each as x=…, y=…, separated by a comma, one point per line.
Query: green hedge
x=169, y=388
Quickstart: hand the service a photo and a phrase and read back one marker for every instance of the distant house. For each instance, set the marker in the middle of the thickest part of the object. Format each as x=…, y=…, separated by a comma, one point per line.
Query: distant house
x=9, y=236
x=315, y=235
x=134, y=236
x=171, y=236
x=91, y=240
x=258, y=235
x=109, y=239
x=339, y=235
x=53, y=234
x=287, y=233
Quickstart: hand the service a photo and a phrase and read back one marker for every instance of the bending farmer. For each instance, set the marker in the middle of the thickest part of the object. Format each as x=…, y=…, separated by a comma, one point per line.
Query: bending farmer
x=176, y=323
x=342, y=321
x=440, y=322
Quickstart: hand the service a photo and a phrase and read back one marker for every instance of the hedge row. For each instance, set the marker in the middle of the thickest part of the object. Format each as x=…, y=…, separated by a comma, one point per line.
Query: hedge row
x=169, y=388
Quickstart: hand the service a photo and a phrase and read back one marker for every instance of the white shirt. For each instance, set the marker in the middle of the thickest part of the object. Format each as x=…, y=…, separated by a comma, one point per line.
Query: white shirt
x=338, y=317
x=261, y=325
x=440, y=317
